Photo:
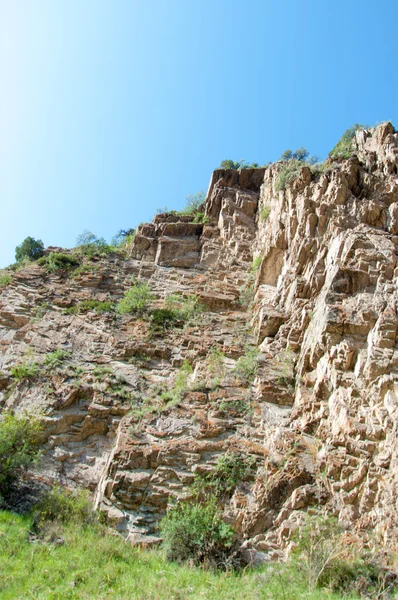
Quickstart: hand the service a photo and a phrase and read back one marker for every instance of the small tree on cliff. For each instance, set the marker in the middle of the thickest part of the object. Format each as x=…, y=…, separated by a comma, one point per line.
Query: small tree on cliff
x=30, y=248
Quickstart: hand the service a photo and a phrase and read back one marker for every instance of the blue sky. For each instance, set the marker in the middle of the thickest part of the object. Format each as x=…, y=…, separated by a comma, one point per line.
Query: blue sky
x=111, y=109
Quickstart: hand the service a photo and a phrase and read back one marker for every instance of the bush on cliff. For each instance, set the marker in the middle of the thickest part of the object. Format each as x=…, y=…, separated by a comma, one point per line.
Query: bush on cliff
x=89, y=245
x=5, y=279
x=326, y=559
x=58, y=261
x=345, y=146
x=136, y=300
x=196, y=533
x=63, y=506
x=238, y=164
x=221, y=482
x=19, y=446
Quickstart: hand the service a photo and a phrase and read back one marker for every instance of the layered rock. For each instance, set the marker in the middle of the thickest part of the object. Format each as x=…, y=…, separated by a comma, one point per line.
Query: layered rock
x=319, y=418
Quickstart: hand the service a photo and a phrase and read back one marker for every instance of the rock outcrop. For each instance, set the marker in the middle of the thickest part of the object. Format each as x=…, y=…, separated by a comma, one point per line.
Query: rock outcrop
x=294, y=364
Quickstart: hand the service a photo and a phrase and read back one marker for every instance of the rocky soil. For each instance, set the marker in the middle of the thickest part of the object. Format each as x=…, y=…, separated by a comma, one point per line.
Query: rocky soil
x=319, y=416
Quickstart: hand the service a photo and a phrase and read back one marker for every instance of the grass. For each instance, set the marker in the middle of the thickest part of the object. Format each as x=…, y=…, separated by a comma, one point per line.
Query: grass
x=53, y=360
x=91, y=563
x=25, y=370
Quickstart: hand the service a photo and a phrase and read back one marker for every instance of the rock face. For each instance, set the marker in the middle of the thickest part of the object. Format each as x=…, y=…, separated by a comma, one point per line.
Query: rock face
x=294, y=365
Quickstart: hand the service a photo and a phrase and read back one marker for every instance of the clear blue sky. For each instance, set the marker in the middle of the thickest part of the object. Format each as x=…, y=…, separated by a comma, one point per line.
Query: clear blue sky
x=110, y=109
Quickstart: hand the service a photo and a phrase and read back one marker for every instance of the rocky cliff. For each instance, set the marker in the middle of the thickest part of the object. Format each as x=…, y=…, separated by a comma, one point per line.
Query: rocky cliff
x=294, y=362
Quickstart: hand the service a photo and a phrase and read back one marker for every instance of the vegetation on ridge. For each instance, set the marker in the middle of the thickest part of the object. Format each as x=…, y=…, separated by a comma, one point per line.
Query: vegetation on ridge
x=345, y=146
x=30, y=249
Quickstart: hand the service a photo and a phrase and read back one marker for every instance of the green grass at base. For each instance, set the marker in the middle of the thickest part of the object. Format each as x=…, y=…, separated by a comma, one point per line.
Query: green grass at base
x=93, y=564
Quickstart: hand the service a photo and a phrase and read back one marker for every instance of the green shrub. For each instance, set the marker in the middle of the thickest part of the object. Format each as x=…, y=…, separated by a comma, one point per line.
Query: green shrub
x=30, y=248
x=216, y=368
x=55, y=359
x=359, y=575
x=89, y=245
x=288, y=173
x=239, y=164
x=25, y=370
x=345, y=146
x=19, y=446
x=194, y=203
x=82, y=269
x=196, y=533
x=163, y=318
x=136, y=300
x=88, y=305
x=63, y=505
x=221, y=482
x=247, y=365
x=294, y=161
x=56, y=261
x=201, y=217
x=319, y=544
x=123, y=238
x=185, y=308
x=239, y=406
x=5, y=279
x=39, y=310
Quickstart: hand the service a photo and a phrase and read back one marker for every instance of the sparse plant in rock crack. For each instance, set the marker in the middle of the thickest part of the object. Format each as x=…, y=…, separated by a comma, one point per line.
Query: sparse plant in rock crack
x=247, y=293
x=247, y=366
x=176, y=394
x=256, y=264
x=55, y=359
x=19, y=446
x=25, y=370
x=220, y=483
x=102, y=372
x=136, y=300
x=39, y=310
x=238, y=406
x=264, y=213
x=83, y=270
x=185, y=308
x=216, y=368
x=84, y=306
x=284, y=367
